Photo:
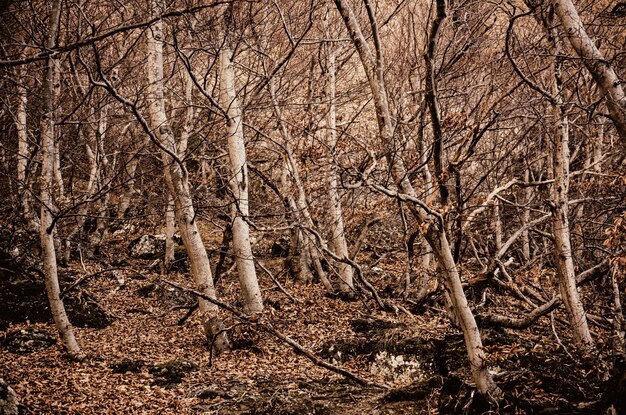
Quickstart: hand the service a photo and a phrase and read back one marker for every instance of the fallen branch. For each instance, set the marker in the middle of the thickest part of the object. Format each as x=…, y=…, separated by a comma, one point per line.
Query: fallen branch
x=548, y=307
x=521, y=323
x=267, y=327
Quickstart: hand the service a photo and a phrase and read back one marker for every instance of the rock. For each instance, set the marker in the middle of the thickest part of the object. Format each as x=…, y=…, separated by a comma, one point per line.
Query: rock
x=8, y=399
x=28, y=340
x=147, y=247
x=84, y=311
x=398, y=367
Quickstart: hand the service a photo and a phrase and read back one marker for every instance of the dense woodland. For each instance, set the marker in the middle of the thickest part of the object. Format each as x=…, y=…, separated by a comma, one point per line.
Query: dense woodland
x=347, y=206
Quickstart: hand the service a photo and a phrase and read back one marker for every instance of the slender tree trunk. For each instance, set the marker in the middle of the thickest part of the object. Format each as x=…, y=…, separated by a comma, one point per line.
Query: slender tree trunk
x=130, y=166
x=239, y=181
x=47, y=185
x=299, y=201
x=560, y=220
x=170, y=230
x=600, y=69
x=436, y=234
x=176, y=175
x=525, y=238
x=464, y=316
x=104, y=169
x=497, y=224
x=335, y=213
x=87, y=192
x=23, y=152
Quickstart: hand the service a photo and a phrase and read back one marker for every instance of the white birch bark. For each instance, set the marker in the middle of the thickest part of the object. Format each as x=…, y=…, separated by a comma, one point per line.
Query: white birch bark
x=335, y=212
x=181, y=146
x=600, y=69
x=238, y=183
x=170, y=230
x=560, y=223
x=23, y=151
x=47, y=181
x=176, y=174
x=104, y=170
x=560, y=209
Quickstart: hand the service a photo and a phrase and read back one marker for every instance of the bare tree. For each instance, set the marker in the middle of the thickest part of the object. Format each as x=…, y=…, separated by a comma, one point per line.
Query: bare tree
x=600, y=68
x=47, y=222
x=239, y=180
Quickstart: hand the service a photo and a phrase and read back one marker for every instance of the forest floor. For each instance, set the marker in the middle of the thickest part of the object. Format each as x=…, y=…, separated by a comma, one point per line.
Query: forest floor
x=146, y=363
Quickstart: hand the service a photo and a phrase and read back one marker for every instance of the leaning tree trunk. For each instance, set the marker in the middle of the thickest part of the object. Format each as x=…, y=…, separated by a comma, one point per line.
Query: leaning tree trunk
x=452, y=282
x=601, y=70
x=436, y=234
x=176, y=175
x=47, y=183
x=239, y=180
x=560, y=221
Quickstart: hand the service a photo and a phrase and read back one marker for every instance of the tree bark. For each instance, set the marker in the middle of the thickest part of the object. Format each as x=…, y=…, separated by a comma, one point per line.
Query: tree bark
x=170, y=230
x=47, y=180
x=560, y=220
x=23, y=151
x=239, y=180
x=176, y=174
x=335, y=212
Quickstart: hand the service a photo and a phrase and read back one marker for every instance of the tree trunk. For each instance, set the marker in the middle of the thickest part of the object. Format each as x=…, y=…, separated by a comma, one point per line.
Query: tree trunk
x=525, y=238
x=497, y=224
x=176, y=174
x=600, y=69
x=47, y=190
x=130, y=167
x=170, y=230
x=560, y=220
x=239, y=180
x=298, y=202
x=436, y=234
x=23, y=152
x=465, y=318
x=335, y=213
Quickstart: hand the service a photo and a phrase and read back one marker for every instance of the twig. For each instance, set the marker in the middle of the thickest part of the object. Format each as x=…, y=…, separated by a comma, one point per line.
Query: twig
x=556, y=336
x=278, y=284
x=267, y=327
x=80, y=255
